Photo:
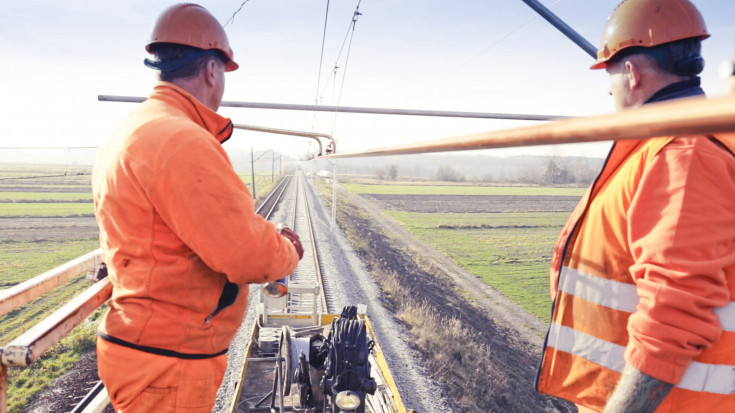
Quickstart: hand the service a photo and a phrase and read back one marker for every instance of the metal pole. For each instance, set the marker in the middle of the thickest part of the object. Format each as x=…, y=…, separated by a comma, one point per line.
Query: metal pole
x=348, y=109
x=672, y=118
x=563, y=27
x=273, y=164
x=334, y=196
x=252, y=170
x=312, y=135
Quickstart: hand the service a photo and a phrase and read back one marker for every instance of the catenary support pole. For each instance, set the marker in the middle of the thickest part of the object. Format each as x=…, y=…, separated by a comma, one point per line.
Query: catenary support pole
x=555, y=21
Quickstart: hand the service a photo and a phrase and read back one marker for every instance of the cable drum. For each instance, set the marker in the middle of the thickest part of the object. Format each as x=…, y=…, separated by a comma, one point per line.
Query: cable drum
x=290, y=349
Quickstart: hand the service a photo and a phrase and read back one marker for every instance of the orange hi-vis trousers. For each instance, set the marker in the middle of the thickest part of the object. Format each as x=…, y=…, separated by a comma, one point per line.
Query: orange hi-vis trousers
x=139, y=382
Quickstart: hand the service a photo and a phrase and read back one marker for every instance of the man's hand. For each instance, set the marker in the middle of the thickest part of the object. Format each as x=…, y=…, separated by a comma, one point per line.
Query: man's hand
x=637, y=392
x=291, y=236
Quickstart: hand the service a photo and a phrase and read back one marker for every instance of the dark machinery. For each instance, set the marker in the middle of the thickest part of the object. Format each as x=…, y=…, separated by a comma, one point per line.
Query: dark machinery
x=332, y=373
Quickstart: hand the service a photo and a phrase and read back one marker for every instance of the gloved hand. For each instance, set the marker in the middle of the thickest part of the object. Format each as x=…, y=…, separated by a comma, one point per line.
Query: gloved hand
x=291, y=236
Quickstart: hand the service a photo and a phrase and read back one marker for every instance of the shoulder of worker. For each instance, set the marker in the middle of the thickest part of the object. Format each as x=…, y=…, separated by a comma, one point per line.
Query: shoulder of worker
x=719, y=145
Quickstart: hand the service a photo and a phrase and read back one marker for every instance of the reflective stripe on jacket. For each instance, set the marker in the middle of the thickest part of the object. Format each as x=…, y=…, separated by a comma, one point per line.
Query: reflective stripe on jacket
x=178, y=230
x=644, y=273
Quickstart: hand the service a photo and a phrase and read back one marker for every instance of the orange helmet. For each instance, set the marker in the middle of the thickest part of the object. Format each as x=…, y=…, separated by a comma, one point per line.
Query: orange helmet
x=648, y=23
x=191, y=25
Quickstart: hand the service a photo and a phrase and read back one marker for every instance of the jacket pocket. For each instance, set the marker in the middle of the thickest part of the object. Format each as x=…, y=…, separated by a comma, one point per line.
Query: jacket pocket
x=228, y=297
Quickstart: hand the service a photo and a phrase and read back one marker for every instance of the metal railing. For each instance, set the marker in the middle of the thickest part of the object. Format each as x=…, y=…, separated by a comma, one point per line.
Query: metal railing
x=31, y=345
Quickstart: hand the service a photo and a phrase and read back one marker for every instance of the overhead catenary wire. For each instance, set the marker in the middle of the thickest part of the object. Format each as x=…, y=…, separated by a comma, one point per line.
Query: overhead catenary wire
x=232, y=19
x=347, y=60
x=350, y=28
x=321, y=56
x=495, y=43
x=321, y=60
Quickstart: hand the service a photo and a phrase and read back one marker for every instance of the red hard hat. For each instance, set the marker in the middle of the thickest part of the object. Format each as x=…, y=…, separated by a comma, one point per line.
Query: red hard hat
x=648, y=23
x=191, y=25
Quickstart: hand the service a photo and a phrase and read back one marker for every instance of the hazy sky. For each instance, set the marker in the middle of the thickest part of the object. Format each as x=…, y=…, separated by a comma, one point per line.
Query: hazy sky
x=458, y=55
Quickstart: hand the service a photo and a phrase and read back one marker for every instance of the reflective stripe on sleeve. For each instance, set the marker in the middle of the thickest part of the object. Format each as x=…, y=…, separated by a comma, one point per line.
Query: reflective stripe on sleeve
x=711, y=378
x=726, y=315
x=621, y=296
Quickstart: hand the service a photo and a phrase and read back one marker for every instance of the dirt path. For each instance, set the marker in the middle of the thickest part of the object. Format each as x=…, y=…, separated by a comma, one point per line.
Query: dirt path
x=514, y=336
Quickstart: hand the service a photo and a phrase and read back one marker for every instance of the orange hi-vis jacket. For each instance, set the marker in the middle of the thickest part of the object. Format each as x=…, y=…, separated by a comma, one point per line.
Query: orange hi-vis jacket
x=644, y=273
x=178, y=230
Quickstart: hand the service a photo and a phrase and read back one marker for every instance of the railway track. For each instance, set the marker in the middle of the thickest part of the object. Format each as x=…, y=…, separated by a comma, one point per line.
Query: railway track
x=290, y=358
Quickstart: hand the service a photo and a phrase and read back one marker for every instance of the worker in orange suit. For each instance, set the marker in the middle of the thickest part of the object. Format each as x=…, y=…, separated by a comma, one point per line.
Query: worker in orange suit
x=643, y=274
x=178, y=229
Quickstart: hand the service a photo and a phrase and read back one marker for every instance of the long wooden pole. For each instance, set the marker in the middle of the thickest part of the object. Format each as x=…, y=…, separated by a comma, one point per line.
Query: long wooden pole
x=674, y=118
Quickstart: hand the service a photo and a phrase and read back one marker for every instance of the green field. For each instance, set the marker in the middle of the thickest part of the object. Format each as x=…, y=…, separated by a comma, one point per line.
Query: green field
x=45, y=209
x=510, y=251
x=45, y=196
x=21, y=260
x=459, y=190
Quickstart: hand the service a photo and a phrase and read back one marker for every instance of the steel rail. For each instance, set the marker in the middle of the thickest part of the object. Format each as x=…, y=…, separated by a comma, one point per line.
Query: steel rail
x=271, y=201
x=317, y=266
x=352, y=109
x=674, y=118
x=301, y=198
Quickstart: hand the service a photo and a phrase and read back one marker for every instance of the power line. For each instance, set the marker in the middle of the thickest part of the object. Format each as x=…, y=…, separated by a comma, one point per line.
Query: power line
x=350, y=28
x=321, y=57
x=347, y=60
x=495, y=43
x=232, y=19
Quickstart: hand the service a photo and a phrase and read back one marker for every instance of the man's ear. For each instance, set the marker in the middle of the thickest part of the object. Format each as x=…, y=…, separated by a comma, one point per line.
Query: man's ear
x=632, y=74
x=209, y=72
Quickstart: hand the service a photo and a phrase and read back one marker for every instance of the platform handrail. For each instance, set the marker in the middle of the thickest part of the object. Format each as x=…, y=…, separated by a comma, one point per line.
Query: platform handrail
x=31, y=345
x=27, y=348
x=21, y=294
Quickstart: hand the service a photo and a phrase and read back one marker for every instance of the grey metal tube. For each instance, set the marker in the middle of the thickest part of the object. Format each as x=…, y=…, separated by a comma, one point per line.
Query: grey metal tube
x=312, y=135
x=348, y=109
x=563, y=27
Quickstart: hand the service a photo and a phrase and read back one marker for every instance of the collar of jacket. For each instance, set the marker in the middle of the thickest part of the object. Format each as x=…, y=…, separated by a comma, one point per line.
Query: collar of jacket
x=220, y=127
x=678, y=90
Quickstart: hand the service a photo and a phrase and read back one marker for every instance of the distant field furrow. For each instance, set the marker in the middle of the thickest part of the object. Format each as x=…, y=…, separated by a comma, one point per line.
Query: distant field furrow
x=504, y=235
x=57, y=209
x=26, y=196
x=450, y=189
